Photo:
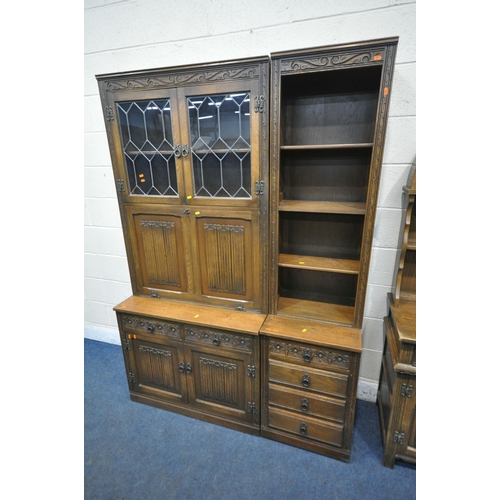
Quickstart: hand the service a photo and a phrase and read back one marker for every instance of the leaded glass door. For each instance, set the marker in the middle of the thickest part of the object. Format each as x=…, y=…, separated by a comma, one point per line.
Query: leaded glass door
x=150, y=147
x=220, y=152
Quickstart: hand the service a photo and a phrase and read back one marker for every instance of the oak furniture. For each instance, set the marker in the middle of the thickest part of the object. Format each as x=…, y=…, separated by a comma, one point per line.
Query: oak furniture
x=397, y=394
x=189, y=149
x=329, y=116
x=248, y=283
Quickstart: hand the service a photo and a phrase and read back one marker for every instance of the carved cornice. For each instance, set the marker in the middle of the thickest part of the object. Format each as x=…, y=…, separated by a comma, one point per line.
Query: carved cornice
x=344, y=59
x=185, y=78
x=317, y=355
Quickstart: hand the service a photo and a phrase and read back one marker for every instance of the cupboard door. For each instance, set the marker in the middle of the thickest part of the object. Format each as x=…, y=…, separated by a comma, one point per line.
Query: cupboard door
x=157, y=369
x=229, y=256
x=147, y=146
x=221, y=143
x=220, y=383
x=160, y=254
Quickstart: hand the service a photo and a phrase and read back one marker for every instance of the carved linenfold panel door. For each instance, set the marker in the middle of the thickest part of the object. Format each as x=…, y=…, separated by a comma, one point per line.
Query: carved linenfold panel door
x=220, y=382
x=155, y=369
x=160, y=261
x=227, y=251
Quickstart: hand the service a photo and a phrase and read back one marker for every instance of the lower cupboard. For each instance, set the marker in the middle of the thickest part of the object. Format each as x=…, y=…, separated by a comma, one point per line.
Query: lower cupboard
x=250, y=372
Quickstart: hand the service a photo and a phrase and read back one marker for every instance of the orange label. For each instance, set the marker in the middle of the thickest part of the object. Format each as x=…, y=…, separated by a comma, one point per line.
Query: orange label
x=377, y=57
x=386, y=90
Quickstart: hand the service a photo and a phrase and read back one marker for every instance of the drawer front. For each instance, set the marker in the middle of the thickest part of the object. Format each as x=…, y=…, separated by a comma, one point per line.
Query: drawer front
x=150, y=326
x=218, y=338
x=308, y=378
x=306, y=403
x=306, y=427
x=309, y=355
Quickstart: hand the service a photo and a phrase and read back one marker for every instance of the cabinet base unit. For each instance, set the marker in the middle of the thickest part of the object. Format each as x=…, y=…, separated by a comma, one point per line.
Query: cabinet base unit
x=397, y=394
x=199, y=361
x=309, y=379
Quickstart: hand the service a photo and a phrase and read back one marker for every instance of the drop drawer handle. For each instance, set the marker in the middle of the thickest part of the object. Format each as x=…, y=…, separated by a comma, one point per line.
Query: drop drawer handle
x=304, y=405
x=306, y=380
x=303, y=428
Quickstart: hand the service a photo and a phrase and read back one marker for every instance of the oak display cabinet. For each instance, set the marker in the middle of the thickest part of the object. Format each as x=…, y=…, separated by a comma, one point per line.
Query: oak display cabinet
x=329, y=116
x=397, y=394
x=189, y=149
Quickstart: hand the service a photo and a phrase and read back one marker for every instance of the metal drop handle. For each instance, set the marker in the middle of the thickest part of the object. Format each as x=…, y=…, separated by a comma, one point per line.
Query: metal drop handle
x=303, y=428
x=306, y=380
x=188, y=368
x=185, y=150
x=177, y=150
x=304, y=405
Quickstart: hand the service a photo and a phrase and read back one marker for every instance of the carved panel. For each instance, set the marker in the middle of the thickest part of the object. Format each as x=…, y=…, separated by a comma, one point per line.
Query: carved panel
x=160, y=247
x=225, y=257
x=150, y=326
x=316, y=355
x=215, y=338
x=184, y=78
x=156, y=367
x=345, y=59
x=219, y=380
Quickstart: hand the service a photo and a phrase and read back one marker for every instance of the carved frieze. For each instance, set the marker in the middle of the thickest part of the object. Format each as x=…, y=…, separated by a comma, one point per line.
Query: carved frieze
x=152, y=327
x=310, y=354
x=344, y=59
x=184, y=78
x=218, y=338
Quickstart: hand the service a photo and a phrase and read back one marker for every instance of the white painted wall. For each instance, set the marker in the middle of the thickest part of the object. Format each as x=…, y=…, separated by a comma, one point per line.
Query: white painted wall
x=123, y=35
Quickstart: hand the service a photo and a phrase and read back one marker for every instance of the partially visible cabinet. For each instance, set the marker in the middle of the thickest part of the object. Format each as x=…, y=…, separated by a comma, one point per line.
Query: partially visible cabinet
x=397, y=394
x=201, y=362
x=189, y=148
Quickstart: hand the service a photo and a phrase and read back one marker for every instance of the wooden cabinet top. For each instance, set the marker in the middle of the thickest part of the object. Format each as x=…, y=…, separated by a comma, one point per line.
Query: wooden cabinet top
x=405, y=315
x=226, y=319
x=313, y=332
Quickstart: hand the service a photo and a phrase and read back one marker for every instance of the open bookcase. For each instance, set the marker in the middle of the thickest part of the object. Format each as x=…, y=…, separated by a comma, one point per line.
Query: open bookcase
x=330, y=118
x=328, y=121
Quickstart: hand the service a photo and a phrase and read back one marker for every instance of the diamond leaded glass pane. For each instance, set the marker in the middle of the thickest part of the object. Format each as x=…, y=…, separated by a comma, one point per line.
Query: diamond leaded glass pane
x=147, y=141
x=220, y=145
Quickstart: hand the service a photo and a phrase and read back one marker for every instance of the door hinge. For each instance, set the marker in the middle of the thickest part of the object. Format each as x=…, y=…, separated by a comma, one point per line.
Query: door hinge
x=131, y=377
x=126, y=344
x=259, y=188
x=251, y=371
x=252, y=408
x=399, y=437
x=258, y=105
x=406, y=391
x=120, y=185
x=109, y=113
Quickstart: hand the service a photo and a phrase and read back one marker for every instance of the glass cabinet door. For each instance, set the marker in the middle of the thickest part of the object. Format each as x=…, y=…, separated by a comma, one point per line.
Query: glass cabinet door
x=220, y=152
x=148, y=147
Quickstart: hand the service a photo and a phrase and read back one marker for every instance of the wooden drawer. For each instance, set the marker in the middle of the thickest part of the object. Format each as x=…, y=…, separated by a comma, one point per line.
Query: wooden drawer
x=309, y=355
x=306, y=427
x=218, y=338
x=150, y=326
x=306, y=403
x=311, y=379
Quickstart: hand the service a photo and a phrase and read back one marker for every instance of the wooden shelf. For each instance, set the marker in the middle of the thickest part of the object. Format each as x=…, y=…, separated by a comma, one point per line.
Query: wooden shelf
x=331, y=207
x=317, y=310
x=305, y=147
x=344, y=266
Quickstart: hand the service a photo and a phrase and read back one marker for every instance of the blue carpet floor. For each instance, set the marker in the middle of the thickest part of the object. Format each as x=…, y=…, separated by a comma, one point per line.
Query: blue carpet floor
x=136, y=452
